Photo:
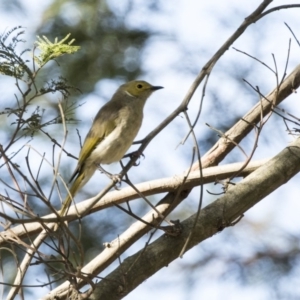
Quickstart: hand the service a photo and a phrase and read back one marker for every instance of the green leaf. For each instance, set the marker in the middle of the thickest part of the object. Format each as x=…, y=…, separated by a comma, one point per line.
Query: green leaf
x=51, y=50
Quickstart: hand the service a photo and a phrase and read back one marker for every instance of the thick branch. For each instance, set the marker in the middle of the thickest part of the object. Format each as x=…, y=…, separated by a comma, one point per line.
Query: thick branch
x=149, y=188
x=213, y=218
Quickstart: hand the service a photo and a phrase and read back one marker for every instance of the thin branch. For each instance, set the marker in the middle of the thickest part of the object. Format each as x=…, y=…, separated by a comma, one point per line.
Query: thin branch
x=25, y=264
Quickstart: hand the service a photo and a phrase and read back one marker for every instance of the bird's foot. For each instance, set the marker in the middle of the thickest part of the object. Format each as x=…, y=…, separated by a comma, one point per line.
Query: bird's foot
x=135, y=155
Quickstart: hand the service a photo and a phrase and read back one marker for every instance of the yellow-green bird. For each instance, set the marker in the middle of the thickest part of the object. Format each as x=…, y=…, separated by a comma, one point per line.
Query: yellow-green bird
x=112, y=133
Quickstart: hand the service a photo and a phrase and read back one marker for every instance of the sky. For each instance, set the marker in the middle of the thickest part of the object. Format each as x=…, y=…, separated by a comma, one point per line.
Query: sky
x=199, y=28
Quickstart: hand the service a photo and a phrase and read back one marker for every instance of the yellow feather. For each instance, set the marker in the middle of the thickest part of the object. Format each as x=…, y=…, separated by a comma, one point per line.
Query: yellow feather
x=72, y=191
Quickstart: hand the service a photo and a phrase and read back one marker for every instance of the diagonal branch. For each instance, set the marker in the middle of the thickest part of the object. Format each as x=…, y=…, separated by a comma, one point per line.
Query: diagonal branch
x=239, y=130
x=206, y=70
x=213, y=218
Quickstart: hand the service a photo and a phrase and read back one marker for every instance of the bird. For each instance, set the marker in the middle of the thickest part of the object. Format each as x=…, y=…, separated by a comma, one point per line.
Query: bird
x=112, y=133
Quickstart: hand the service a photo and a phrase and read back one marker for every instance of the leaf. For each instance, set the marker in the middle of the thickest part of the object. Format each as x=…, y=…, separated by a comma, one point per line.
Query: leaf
x=51, y=50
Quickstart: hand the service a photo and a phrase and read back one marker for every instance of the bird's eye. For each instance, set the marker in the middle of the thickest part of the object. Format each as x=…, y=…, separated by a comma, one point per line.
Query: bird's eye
x=139, y=86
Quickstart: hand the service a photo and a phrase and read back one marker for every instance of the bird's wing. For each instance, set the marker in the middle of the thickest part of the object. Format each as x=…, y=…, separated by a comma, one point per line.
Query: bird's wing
x=97, y=133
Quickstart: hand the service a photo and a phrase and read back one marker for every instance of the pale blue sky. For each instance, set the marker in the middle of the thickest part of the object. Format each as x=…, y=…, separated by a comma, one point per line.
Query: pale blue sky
x=200, y=28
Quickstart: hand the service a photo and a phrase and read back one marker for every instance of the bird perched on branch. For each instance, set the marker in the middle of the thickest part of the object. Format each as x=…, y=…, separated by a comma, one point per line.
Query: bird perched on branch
x=112, y=133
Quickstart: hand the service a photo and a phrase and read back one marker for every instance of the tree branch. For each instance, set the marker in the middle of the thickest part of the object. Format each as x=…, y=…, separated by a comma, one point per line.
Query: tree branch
x=213, y=218
x=162, y=185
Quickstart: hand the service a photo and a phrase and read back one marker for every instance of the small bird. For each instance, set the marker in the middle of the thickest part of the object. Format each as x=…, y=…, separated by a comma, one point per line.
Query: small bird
x=112, y=133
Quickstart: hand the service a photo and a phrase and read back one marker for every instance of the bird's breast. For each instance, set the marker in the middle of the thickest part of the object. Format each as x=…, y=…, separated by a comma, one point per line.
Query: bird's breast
x=113, y=147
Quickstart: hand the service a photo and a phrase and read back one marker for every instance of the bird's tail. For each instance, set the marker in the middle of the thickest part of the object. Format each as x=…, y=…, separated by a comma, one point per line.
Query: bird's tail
x=68, y=200
x=82, y=178
x=77, y=184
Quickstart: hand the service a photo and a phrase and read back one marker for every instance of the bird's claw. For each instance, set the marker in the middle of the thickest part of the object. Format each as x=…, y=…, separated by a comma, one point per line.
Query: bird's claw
x=135, y=155
x=116, y=178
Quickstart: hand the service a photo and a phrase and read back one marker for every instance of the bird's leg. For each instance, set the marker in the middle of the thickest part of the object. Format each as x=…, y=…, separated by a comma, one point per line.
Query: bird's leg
x=135, y=155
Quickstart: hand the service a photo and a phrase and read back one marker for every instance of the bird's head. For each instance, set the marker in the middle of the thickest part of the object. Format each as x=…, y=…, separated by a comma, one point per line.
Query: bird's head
x=139, y=89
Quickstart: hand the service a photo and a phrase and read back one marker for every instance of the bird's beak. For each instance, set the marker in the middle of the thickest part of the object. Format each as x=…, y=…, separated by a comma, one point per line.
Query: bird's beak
x=155, y=88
